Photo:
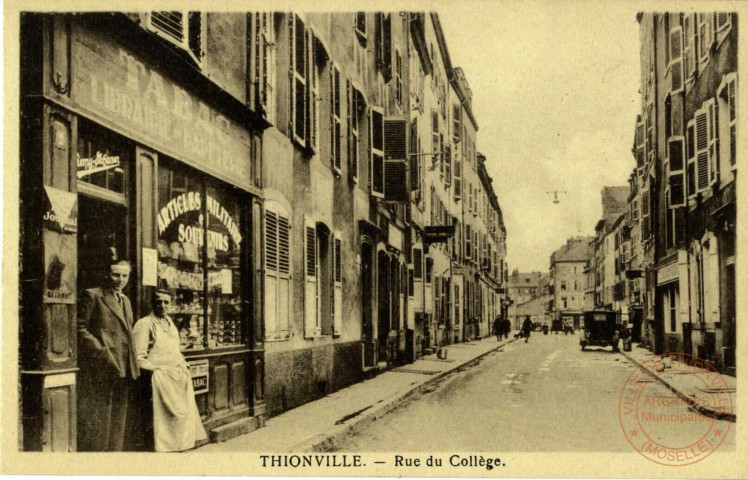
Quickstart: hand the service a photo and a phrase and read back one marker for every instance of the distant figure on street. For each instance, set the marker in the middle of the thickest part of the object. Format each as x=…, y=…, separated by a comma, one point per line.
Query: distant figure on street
x=526, y=327
x=507, y=327
x=498, y=328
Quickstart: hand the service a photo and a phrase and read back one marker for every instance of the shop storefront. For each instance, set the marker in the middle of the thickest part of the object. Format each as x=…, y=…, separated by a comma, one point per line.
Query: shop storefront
x=141, y=169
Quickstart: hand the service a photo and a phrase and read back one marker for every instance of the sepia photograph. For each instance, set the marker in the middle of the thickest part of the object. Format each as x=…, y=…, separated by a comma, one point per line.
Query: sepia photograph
x=484, y=239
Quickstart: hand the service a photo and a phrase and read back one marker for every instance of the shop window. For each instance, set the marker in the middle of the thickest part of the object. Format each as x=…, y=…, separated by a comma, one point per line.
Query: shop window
x=101, y=160
x=199, y=250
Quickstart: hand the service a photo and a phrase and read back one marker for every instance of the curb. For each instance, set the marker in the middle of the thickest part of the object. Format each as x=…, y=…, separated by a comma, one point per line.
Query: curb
x=326, y=441
x=697, y=407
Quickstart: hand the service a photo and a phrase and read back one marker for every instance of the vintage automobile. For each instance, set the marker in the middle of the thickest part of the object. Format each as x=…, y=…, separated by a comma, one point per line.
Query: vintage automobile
x=600, y=328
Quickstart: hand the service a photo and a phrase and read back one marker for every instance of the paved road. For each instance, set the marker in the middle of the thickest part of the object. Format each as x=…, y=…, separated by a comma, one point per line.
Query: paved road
x=546, y=395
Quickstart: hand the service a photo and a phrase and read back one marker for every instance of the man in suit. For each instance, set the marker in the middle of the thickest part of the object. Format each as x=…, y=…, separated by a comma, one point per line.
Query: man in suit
x=108, y=365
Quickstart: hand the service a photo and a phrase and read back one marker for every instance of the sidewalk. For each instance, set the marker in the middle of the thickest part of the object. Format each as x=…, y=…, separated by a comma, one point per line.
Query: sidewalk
x=686, y=386
x=316, y=426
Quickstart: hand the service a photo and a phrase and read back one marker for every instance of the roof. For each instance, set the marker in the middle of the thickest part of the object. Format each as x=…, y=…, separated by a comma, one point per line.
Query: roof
x=576, y=249
x=524, y=279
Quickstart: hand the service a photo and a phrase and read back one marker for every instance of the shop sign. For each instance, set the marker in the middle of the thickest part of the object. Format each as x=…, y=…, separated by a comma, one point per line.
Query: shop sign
x=199, y=372
x=192, y=202
x=124, y=90
x=438, y=233
x=99, y=163
x=61, y=210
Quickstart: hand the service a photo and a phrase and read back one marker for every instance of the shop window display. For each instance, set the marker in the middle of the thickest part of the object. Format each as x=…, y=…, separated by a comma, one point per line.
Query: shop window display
x=199, y=257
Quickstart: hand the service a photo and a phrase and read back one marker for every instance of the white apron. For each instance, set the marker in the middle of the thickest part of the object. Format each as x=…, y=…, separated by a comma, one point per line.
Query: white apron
x=176, y=420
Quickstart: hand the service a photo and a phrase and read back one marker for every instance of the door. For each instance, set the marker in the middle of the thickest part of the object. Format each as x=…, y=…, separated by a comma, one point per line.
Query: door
x=368, y=334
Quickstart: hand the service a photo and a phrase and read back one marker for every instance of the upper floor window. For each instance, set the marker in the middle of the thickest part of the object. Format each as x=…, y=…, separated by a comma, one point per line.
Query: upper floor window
x=183, y=29
x=360, y=25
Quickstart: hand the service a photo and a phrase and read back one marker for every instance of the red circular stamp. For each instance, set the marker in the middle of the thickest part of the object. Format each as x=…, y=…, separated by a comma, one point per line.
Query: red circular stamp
x=666, y=428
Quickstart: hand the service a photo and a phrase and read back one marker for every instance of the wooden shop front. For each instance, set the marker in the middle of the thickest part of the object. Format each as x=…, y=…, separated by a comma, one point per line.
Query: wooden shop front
x=122, y=158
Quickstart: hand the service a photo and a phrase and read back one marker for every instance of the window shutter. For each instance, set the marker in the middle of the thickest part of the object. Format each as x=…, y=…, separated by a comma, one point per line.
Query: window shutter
x=688, y=45
x=277, y=276
x=335, y=133
x=338, y=285
x=376, y=143
x=676, y=59
x=311, y=322
x=395, y=157
x=705, y=35
x=712, y=123
x=691, y=159
x=702, y=149
x=361, y=24
x=676, y=177
x=417, y=263
x=645, y=213
x=414, y=158
x=313, y=96
x=456, y=123
x=298, y=76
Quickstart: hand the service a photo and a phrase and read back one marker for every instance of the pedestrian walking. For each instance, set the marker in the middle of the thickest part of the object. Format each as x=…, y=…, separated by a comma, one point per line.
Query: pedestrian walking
x=526, y=327
x=108, y=367
x=498, y=327
x=176, y=419
x=507, y=327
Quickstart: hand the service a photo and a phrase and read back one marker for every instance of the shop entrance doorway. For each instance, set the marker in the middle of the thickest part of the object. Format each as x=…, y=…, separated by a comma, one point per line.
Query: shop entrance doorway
x=102, y=236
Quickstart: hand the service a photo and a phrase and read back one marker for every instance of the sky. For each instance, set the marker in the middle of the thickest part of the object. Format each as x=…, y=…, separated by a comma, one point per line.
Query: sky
x=555, y=94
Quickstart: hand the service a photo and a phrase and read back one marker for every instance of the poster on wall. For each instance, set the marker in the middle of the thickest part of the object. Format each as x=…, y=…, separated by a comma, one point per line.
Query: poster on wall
x=61, y=210
x=60, y=267
x=199, y=373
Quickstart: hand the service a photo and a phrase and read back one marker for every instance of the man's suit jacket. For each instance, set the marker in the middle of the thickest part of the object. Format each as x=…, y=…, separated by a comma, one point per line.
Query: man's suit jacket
x=105, y=344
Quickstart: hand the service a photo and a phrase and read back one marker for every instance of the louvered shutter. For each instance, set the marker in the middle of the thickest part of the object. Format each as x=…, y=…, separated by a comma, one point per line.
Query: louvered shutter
x=691, y=159
x=298, y=79
x=312, y=92
x=713, y=121
x=311, y=302
x=338, y=285
x=702, y=149
x=436, y=297
x=645, y=213
x=395, y=158
x=676, y=175
x=705, y=36
x=277, y=275
x=414, y=158
x=689, y=52
x=387, y=48
x=271, y=277
x=676, y=59
x=376, y=143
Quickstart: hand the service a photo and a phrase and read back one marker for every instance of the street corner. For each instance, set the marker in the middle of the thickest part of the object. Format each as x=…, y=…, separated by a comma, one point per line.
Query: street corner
x=674, y=430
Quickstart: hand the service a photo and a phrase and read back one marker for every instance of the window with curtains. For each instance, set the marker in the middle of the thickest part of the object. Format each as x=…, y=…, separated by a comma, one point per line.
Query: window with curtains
x=199, y=256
